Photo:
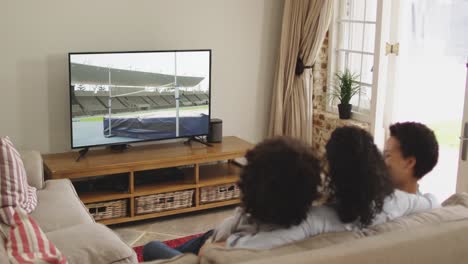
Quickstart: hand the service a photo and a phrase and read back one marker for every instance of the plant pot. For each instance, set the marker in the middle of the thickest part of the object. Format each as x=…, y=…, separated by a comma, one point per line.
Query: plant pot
x=344, y=111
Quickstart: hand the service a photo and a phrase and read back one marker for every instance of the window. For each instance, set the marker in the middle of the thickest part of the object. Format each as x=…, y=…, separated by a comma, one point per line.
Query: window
x=352, y=46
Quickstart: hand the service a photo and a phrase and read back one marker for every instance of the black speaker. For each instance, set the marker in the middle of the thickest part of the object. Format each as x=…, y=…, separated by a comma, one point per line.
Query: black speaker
x=215, y=133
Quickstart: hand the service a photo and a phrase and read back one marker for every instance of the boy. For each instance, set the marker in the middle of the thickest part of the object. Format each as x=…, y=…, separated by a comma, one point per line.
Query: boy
x=410, y=153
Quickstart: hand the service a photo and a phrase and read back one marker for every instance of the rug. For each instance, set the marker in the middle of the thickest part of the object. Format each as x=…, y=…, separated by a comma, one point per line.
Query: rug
x=172, y=243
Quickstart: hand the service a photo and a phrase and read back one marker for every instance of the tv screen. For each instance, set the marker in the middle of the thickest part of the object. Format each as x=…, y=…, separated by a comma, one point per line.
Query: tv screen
x=124, y=97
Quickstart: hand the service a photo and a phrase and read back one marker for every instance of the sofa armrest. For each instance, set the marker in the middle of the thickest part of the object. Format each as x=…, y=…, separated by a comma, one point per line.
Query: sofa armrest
x=92, y=244
x=34, y=169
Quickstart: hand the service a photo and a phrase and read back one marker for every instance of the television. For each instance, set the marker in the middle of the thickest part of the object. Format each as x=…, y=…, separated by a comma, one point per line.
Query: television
x=117, y=98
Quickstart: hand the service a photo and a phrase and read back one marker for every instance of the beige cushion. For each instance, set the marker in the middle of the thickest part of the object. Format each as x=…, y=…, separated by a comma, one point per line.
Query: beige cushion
x=34, y=169
x=59, y=207
x=455, y=209
x=92, y=243
x=430, y=244
x=182, y=259
x=215, y=254
x=457, y=199
x=14, y=188
x=434, y=216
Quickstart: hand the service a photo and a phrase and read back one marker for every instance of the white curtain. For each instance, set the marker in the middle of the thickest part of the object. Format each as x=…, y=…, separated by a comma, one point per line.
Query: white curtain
x=305, y=24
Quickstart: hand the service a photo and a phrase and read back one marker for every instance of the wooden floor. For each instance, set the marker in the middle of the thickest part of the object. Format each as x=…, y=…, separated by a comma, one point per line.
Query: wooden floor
x=171, y=227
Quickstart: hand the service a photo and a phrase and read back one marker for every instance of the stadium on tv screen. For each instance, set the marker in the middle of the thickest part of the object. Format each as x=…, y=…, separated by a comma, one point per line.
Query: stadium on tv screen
x=130, y=97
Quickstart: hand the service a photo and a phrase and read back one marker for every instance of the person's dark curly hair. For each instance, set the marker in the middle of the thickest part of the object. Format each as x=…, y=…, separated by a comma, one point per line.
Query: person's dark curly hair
x=280, y=181
x=358, y=180
x=418, y=141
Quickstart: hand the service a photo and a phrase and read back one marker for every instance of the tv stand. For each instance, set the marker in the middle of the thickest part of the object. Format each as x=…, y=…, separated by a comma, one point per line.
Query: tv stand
x=82, y=154
x=203, y=169
x=199, y=140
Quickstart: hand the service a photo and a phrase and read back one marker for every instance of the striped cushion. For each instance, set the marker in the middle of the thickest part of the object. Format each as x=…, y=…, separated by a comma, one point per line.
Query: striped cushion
x=14, y=187
x=24, y=240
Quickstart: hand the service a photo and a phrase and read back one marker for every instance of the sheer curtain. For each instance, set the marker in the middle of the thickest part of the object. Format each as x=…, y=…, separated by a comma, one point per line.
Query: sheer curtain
x=305, y=24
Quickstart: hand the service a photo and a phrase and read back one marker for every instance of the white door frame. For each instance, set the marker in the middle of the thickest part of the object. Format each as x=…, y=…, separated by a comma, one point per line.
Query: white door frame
x=379, y=85
x=462, y=177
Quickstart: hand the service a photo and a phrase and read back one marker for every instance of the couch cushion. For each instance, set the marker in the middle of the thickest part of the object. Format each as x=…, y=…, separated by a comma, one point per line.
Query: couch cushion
x=457, y=199
x=429, y=244
x=14, y=187
x=455, y=208
x=34, y=168
x=434, y=216
x=92, y=243
x=25, y=242
x=214, y=254
x=59, y=206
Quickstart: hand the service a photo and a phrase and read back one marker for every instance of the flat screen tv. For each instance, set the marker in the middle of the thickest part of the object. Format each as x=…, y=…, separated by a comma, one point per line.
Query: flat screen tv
x=118, y=98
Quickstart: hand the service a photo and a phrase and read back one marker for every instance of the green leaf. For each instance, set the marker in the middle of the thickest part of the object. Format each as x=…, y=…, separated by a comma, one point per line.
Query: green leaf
x=345, y=87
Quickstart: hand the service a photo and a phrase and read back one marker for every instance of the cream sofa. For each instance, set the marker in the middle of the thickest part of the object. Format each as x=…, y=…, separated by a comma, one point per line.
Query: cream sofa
x=436, y=236
x=431, y=244
x=66, y=221
x=432, y=237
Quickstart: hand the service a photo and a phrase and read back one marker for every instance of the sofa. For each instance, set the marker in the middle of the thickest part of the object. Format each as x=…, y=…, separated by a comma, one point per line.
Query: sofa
x=66, y=221
x=436, y=236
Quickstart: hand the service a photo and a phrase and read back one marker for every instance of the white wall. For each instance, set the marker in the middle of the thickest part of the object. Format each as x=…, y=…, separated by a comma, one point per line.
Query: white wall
x=35, y=37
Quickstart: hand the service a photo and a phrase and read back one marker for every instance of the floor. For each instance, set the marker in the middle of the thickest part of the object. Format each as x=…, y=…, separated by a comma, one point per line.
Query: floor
x=171, y=227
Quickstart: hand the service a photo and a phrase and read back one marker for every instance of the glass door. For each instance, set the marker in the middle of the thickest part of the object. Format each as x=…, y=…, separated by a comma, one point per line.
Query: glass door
x=426, y=80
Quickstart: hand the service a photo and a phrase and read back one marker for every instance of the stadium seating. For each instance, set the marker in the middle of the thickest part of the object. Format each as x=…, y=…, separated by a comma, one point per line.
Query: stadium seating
x=117, y=105
x=90, y=103
x=160, y=101
x=152, y=103
x=184, y=100
x=203, y=97
x=170, y=99
x=194, y=99
x=138, y=101
x=127, y=103
x=76, y=110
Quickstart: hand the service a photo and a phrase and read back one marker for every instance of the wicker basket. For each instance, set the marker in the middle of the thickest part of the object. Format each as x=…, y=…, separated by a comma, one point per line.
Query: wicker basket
x=163, y=202
x=223, y=192
x=108, y=210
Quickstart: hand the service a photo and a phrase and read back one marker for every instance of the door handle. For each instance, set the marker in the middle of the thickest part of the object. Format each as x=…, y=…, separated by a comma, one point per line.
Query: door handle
x=464, y=140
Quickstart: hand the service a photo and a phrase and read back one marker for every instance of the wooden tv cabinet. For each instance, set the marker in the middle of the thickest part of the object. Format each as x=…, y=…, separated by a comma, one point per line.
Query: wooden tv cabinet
x=203, y=166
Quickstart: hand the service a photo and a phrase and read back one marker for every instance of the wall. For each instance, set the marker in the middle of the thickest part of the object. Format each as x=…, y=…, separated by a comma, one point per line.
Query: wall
x=37, y=35
x=325, y=122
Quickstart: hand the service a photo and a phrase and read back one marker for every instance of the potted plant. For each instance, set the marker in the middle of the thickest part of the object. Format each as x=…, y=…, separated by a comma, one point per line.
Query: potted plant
x=344, y=89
